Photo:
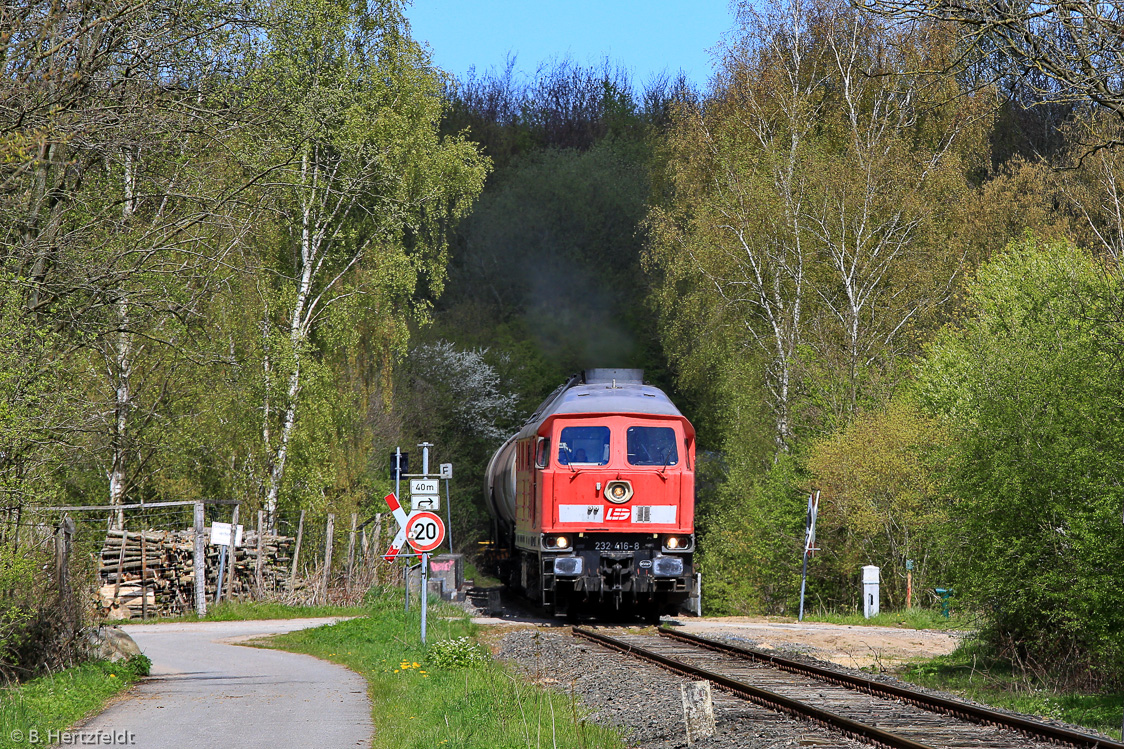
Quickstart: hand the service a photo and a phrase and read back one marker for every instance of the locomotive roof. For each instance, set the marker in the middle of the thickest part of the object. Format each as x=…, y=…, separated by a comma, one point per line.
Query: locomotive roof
x=600, y=398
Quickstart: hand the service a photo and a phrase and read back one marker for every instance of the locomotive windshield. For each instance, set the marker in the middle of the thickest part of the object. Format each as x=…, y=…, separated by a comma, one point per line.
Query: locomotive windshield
x=584, y=446
x=652, y=446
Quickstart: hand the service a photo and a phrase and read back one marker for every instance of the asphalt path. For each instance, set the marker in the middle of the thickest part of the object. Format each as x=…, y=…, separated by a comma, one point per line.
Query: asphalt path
x=207, y=691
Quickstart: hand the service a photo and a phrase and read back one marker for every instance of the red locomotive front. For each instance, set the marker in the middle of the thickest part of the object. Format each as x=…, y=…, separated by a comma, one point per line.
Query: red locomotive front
x=593, y=500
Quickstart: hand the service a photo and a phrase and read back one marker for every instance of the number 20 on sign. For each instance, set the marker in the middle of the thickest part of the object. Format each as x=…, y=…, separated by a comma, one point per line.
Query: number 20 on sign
x=425, y=531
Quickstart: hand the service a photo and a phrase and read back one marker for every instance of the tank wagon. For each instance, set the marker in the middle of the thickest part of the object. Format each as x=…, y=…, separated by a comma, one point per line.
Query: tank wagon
x=592, y=501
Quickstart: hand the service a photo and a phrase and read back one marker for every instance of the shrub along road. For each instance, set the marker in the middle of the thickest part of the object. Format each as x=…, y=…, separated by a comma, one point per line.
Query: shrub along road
x=206, y=691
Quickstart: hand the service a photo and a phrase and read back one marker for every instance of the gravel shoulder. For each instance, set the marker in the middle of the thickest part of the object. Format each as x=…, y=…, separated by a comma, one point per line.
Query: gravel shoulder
x=877, y=648
x=644, y=700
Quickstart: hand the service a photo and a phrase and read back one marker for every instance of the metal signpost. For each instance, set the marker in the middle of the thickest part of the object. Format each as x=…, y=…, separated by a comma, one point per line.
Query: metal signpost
x=422, y=528
x=425, y=532
x=221, y=534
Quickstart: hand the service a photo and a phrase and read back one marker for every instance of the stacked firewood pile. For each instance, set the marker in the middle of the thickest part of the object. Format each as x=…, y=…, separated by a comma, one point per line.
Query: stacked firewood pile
x=152, y=573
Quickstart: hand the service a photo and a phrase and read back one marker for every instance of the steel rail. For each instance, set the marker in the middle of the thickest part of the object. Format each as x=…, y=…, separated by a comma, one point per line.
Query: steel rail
x=955, y=708
x=763, y=697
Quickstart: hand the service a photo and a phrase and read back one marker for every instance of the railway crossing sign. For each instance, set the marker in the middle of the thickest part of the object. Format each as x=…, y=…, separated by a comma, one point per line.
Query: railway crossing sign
x=425, y=531
x=399, y=539
x=425, y=494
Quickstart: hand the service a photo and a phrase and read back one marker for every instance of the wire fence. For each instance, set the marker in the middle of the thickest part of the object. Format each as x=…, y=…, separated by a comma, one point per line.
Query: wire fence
x=63, y=568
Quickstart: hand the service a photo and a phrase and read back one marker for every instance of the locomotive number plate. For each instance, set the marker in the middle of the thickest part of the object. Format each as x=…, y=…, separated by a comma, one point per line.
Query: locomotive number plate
x=616, y=546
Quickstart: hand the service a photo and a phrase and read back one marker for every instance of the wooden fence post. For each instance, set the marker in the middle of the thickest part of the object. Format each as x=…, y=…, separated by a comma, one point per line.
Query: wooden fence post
x=64, y=542
x=261, y=550
x=120, y=565
x=296, y=554
x=144, y=573
x=200, y=563
x=329, y=534
x=376, y=539
x=351, y=550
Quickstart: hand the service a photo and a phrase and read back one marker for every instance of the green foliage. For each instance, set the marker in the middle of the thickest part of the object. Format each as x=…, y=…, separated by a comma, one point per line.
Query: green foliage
x=880, y=503
x=419, y=702
x=457, y=653
x=750, y=542
x=804, y=234
x=974, y=672
x=56, y=702
x=1031, y=389
x=552, y=245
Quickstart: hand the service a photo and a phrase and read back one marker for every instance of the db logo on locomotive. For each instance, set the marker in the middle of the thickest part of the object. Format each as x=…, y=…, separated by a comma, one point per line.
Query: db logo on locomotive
x=618, y=514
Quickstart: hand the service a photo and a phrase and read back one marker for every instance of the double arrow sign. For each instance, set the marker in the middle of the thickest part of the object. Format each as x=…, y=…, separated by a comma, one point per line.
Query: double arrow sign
x=424, y=531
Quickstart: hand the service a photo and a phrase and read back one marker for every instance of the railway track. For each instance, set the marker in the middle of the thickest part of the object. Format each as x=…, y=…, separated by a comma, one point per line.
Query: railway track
x=881, y=714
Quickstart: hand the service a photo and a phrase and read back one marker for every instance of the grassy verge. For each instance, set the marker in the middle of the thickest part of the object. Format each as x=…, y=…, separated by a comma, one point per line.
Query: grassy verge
x=449, y=694
x=56, y=702
x=230, y=611
x=968, y=673
x=915, y=618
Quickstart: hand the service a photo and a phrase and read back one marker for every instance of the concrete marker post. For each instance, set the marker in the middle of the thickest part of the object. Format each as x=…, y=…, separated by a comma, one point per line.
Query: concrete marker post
x=870, y=591
x=698, y=711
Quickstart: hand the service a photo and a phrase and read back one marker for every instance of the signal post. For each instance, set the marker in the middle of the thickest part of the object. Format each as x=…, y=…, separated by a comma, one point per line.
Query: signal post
x=423, y=528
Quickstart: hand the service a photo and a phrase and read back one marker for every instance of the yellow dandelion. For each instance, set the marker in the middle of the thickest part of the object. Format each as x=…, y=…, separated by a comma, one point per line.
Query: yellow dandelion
x=416, y=666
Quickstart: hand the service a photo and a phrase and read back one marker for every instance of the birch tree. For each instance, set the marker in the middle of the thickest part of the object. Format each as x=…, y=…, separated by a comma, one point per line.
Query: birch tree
x=809, y=195
x=1067, y=53
x=111, y=209
x=364, y=187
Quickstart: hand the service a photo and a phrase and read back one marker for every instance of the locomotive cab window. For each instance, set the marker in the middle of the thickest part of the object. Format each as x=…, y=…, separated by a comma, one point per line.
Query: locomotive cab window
x=583, y=446
x=652, y=446
x=542, y=455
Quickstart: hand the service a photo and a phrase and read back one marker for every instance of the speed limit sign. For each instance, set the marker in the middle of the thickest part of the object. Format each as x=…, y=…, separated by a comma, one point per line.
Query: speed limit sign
x=425, y=531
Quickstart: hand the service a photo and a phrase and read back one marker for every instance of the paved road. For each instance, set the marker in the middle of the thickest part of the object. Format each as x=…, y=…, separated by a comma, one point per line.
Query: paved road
x=207, y=692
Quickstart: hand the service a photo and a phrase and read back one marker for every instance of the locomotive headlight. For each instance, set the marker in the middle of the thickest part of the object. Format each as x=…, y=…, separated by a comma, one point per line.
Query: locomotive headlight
x=618, y=491
x=676, y=543
x=555, y=542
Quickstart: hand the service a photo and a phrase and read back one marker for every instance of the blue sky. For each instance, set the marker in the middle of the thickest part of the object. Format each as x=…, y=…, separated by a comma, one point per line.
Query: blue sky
x=644, y=36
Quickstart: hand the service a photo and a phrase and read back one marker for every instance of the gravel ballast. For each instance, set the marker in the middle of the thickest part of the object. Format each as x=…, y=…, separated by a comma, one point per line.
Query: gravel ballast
x=644, y=700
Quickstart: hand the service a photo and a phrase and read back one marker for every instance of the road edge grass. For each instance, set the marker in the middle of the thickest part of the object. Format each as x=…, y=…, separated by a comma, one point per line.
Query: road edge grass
x=449, y=694
x=234, y=611
x=912, y=618
x=35, y=711
x=971, y=673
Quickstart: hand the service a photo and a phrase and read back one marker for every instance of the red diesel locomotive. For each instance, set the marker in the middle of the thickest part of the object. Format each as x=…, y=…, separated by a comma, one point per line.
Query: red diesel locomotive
x=593, y=500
